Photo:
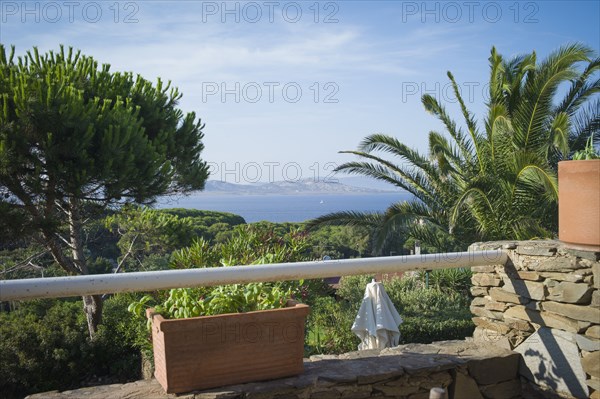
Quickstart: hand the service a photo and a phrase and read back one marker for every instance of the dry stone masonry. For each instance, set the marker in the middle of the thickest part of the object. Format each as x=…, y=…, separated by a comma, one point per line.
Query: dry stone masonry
x=465, y=369
x=544, y=304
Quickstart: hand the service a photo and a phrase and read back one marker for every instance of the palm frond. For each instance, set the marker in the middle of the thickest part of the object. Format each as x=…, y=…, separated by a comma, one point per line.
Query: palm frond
x=434, y=107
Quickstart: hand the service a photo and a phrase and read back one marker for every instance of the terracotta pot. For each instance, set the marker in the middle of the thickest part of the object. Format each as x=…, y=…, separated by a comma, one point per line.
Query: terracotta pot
x=579, y=204
x=213, y=351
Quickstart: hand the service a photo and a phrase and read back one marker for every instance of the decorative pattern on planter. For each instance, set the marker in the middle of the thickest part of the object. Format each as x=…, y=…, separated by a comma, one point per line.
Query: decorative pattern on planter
x=545, y=304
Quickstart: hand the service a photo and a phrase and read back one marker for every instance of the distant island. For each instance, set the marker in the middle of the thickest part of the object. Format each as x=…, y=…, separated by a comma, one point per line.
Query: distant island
x=305, y=186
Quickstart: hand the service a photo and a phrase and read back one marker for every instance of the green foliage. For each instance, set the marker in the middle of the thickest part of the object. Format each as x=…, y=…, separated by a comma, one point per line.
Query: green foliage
x=340, y=242
x=146, y=232
x=29, y=261
x=589, y=152
x=328, y=327
x=455, y=279
x=248, y=244
x=433, y=314
x=45, y=346
x=495, y=183
x=76, y=138
x=234, y=298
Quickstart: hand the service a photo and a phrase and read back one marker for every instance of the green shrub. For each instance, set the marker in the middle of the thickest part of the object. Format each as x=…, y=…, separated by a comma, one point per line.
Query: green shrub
x=429, y=315
x=454, y=279
x=42, y=347
x=45, y=346
x=328, y=327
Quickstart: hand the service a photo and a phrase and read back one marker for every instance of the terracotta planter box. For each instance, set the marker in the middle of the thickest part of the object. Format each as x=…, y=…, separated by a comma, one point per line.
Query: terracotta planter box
x=579, y=204
x=212, y=351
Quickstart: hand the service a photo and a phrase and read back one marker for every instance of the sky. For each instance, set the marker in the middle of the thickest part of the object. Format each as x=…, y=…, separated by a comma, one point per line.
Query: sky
x=283, y=86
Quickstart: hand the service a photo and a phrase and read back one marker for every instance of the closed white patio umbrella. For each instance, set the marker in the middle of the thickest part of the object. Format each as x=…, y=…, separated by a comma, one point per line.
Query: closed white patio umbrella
x=377, y=321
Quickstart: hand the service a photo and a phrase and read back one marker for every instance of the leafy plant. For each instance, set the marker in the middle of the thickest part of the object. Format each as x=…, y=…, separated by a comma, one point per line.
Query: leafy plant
x=235, y=298
x=589, y=152
x=248, y=245
x=490, y=183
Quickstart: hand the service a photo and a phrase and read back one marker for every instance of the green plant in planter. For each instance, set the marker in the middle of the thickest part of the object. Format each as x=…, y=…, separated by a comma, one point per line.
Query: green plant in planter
x=250, y=245
x=233, y=298
x=589, y=152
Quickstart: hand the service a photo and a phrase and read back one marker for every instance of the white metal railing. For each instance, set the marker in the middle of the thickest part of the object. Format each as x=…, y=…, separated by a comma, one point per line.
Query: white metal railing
x=95, y=284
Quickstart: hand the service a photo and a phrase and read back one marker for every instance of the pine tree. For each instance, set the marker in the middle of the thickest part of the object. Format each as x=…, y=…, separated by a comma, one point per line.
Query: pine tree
x=76, y=137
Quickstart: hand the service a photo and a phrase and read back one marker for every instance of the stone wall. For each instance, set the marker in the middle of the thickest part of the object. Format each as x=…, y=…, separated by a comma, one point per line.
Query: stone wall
x=467, y=370
x=544, y=304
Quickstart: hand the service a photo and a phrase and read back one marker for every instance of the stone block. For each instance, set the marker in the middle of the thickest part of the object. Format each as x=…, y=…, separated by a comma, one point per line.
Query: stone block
x=329, y=394
x=517, y=324
x=593, y=332
x=503, y=367
x=522, y=313
x=442, y=379
x=548, y=319
x=570, y=292
x=479, y=301
x=534, y=305
x=396, y=391
x=577, y=312
x=478, y=291
x=593, y=383
x=464, y=387
x=595, y=302
x=550, y=358
x=419, y=395
x=491, y=337
x=354, y=391
x=555, y=265
x=596, y=274
x=496, y=306
x=589, y=280
x=537, y=249
x=589, y=255
x=532, y=276
x=587, y=344
x=486, y=280
x=351, y=395
x=591, y=364
x=500, y=295
x=482, y=312
x=503, y=390
x=528, y=289
x=555, y=320
x=500, y=328
x=573, y=277
x=483, y=269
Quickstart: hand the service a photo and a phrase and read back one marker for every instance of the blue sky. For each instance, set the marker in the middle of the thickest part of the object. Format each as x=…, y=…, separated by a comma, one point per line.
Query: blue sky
x=283, y=86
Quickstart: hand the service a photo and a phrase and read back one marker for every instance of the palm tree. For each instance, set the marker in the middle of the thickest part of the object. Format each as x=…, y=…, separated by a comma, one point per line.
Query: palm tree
x=495, y=183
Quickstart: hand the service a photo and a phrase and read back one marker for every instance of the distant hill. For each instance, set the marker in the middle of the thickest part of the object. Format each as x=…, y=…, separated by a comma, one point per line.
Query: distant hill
x=306, y=186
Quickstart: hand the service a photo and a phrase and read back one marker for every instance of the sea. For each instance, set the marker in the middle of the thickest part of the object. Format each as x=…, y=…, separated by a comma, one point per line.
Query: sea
x=286, y=207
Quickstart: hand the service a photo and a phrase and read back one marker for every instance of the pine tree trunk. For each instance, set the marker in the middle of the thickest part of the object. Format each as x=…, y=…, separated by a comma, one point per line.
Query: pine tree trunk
x=92, y=306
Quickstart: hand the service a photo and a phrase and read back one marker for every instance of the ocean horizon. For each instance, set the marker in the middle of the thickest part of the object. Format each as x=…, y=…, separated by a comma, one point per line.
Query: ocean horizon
x=282, y=208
